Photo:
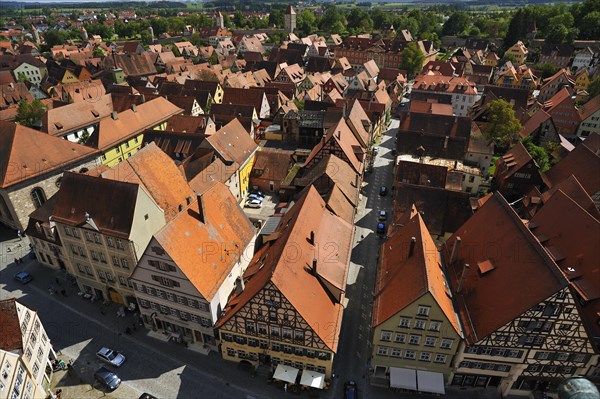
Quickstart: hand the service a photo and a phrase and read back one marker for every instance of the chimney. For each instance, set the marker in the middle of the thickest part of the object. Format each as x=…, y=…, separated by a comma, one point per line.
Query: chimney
x=463, y=277
x=455, y=249
x=446, y=143
x=134, y=107
x=239, y=285
x=314, y=267
x=411, y=250
x=115, y=115
x=188, y=200
x=87, y=216
x=311, y=239
x=339, y=134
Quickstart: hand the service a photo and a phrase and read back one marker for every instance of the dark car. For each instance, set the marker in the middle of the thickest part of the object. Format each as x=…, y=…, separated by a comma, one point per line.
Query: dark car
x=382, y=216
x=350, y=391
x=381, y=228
x=23, y=277
x=107, y=378
x=383, y=191
x=147, y=396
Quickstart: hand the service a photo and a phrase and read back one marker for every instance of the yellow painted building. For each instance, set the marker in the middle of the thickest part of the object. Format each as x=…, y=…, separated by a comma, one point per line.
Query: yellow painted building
x=121, y=135
x=519, y=51
x=582, y=80
x=415, y=328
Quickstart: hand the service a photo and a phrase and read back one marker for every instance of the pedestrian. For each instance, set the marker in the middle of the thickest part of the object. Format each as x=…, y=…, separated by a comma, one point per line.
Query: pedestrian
x=20, y=235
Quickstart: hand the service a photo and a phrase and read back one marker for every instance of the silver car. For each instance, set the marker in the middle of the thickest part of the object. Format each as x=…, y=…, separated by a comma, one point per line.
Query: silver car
x=111, y=357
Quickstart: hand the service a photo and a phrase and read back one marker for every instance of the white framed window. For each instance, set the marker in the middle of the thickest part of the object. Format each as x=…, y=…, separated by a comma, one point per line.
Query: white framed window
x=396, y=352
x=400, y=338
x=435, y=325
x=425, y=356
x=423, y=310
x=440, y=358
x=430, y=341
x=382, y=350
x=404, y=322
x=410, y=354
x=414, y=339
x=447, y=343
x=420, y=324
x=386, y=335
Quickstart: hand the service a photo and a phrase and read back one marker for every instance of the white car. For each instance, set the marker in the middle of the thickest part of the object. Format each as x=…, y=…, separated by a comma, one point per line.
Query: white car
x=253, y=203
x=111, y=357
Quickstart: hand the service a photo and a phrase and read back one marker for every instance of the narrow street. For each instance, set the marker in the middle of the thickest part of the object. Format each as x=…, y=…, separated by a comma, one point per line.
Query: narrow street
x=352, y=361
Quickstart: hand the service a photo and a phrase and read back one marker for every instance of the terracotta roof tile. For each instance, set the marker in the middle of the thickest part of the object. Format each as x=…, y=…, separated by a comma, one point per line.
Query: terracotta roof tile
x=129, y=123
x=403, y=277
x=11, y=337
x=233, y=143
x=306, y=292
x=26, y=153
x=154, y=171
x=213, y=219
x=76, y=115
x=496, y=225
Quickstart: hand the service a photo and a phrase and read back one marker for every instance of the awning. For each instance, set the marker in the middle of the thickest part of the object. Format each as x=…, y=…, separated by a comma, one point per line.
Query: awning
x=285, y=373
x=403, y=378
x=312, y=379
x=430, y=382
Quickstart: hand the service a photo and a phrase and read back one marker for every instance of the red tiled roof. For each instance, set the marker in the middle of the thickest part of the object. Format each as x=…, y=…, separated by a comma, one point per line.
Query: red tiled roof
x=214, y=218
x=27, y=153
x=488, y=301
x=11, y=336
x=404, y=277
x=292, y=275
x=233, y=142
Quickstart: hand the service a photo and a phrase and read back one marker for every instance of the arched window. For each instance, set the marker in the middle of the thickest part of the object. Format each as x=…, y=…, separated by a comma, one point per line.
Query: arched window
x=38, y=197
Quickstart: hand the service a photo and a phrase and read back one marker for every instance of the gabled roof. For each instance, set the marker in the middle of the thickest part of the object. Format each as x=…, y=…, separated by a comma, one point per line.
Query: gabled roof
x=214, y=218
x=589, y=108
x=129, y=123
x=27, y=153
x=492, y=298
x=404, y=275
x=58, y=121
x=233, y=143
x=571, y=234
x=358, y=119
x=308, y=290
x=534, y=123
x=573, y=189
x=273, y=164
x=581, y=163
x=11, y=336
x=154, y=171
x=112, y=209
x=515, y=159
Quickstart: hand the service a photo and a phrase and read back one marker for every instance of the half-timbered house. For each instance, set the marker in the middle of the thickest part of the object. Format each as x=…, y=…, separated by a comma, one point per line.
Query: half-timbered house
x=288, y=309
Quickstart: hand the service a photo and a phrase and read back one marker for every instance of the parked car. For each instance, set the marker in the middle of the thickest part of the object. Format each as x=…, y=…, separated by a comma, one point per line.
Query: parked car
x=381, y=228
x=253, y=203
x=257, y=192
x=383, y=191
x=350, y=391
x=256, y=197
x=23, y=277
x=111, y=357
x=107, y=378
x=147, y=396
x=382, y=216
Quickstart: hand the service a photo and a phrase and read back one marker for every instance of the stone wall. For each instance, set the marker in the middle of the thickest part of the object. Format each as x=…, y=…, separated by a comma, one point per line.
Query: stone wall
x=20, y=201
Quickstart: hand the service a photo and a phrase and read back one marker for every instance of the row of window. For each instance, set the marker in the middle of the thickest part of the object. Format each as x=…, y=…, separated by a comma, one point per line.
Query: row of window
x=275, y=360
x=193, y=303
x=419, y=324
x=413, y=339
x=94, y=237
x=549, y=368
x=489, y=351
x=104, y=276
x=485, y=366
x=167, y=310
x=411, y=354
x=276, y=346
x=563, y=356
x=275, y=331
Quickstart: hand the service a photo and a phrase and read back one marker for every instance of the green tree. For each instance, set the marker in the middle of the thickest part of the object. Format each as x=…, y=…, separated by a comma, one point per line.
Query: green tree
x=239, y=20
x=329, y=18
x=29, y=114
x=539, y=154
x=411, y=59
x=502, y=127
x=159, y=25
x=457, y=23
x=557, y=34
x=547, y=69
x=306, y=22
x=508, y=57
x=99, y=52
x=54, y=37
x=338, y=28
x=594, y=87
x=176, y=24
x=276, y=18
